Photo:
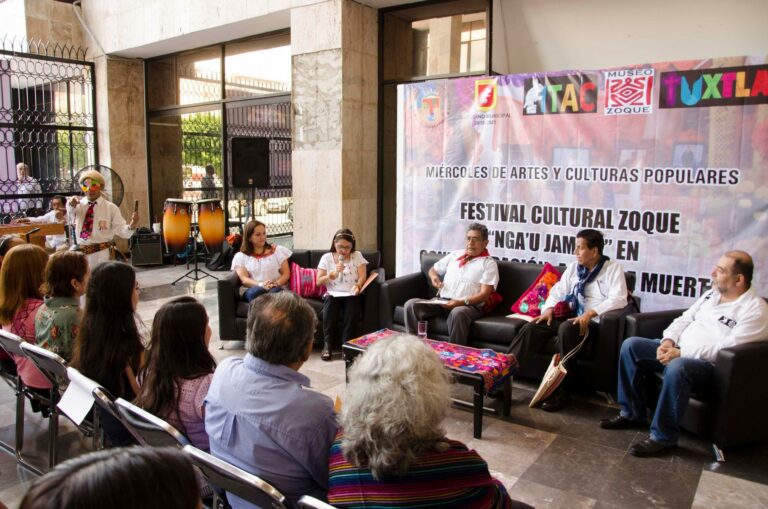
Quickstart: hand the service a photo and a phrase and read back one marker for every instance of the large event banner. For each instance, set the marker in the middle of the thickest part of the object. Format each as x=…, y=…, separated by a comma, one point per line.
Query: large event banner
x=668, y=160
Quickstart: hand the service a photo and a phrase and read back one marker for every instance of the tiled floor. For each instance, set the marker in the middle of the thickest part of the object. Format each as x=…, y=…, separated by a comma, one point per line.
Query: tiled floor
x=561, y=460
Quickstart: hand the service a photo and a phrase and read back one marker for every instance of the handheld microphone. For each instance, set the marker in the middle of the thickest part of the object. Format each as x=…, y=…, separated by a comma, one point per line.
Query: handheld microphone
x=341, y=261
x=135, y=205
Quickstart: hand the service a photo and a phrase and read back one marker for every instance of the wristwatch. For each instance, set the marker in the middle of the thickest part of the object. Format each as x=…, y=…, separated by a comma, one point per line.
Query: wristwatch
x=466, y=301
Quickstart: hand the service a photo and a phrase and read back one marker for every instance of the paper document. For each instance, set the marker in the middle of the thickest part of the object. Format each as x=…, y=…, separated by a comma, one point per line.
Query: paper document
x=439, y=301
x=78, y=398
x=340, y=293
x=521, y=317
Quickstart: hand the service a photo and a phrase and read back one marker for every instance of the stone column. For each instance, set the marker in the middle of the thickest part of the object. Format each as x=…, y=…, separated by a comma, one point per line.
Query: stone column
x=445, y=45
x=122, y=128
x=334, y=48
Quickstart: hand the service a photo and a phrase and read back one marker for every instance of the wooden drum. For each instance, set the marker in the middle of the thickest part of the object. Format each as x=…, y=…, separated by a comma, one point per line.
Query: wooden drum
x=210, y=217
x=177, y=223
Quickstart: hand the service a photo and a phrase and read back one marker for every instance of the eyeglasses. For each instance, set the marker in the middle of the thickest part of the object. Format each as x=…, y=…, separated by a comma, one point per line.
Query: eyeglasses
x=90, y=185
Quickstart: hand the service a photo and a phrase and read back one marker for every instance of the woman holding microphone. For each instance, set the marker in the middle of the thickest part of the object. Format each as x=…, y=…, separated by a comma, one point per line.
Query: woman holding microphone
x=342, y=270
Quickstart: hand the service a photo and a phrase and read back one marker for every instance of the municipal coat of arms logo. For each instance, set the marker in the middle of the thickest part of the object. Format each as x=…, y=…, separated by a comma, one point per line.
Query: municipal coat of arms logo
x=430, y=106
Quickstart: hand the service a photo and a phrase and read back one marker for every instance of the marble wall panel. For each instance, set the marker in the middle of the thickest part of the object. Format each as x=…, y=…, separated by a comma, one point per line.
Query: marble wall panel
x=54, y=22
x=316, y=27
x=352, y=127
x=317, y=91
x=358, y=218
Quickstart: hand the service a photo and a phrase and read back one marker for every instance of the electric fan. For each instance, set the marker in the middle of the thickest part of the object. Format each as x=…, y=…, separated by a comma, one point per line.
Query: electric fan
x=113, y=190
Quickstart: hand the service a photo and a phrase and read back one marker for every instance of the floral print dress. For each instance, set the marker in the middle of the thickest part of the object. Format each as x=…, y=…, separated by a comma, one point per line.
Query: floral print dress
x=56, y=325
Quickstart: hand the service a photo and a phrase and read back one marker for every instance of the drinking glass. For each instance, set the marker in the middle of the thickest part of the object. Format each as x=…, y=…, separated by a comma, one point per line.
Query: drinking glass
x=422, y=330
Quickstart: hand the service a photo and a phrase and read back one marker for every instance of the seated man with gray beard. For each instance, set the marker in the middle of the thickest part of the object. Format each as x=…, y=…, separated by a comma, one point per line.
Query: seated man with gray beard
x=260, y=414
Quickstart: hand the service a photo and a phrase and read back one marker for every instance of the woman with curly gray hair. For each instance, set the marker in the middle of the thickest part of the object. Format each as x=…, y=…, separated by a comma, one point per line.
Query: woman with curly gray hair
x=391, y=450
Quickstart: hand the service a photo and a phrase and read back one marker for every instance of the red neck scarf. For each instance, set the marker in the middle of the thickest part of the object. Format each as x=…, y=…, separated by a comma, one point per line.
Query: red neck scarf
x=463, y=259
x=267, y=252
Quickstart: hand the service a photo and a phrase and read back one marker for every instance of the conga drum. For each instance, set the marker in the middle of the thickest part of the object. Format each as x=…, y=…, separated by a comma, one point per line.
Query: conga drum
x=177, y=223
x=210, y=217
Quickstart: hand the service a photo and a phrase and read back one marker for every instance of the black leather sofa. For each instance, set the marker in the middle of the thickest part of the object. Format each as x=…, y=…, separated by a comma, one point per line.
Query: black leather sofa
x=596, y=363
x=734, y=409
x=233, y=311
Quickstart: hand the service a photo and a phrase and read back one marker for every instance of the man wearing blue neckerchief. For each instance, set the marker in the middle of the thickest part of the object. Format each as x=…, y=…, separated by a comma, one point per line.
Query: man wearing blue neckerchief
x=590, y=287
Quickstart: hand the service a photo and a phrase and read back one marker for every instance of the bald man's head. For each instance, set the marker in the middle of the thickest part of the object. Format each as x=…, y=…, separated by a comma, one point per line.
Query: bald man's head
x=742, y=264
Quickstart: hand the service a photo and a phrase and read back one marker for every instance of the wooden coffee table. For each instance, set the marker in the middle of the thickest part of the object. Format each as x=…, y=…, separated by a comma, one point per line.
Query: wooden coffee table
x=483, y=370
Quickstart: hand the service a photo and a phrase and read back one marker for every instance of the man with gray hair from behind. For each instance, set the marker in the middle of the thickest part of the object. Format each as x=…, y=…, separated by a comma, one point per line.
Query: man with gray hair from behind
x=260, y=414
x=391, y=450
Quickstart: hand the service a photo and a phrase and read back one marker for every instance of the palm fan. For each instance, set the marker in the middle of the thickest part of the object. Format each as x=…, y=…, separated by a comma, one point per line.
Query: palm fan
x=113, y=190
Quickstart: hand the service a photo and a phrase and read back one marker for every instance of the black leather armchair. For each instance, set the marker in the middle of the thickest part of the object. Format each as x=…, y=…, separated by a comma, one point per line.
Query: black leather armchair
x=734, y=409
x=596, y=363
x=233, y=311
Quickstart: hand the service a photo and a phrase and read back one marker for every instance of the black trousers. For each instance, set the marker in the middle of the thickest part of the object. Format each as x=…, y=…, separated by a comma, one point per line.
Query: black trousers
x=350, y=309
x=534, y=337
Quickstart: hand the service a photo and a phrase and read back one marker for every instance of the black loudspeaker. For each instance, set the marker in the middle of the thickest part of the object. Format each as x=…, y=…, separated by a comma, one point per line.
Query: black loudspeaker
x=147, y=249
x=250, y=162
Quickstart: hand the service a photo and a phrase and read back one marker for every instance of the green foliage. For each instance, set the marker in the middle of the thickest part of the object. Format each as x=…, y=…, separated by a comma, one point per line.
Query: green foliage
x=201, y=139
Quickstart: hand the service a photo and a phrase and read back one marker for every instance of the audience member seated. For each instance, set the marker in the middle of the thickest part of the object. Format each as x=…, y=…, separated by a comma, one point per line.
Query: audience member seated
x=729, y=314
x=150, y=478
x=261, y=266
x=7, y=242
x=391, y=450
x=470, y=277
x=260, y=414
x=58, y=319
x=57, y=214
x=21, y=277
x=590, y=287
x=179, y=368
x=108, y=348
x=341, y=269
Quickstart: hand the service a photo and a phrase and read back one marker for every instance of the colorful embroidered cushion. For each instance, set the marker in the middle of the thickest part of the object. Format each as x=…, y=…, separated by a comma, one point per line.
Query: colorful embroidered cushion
x=532, y=300
x=304, y=282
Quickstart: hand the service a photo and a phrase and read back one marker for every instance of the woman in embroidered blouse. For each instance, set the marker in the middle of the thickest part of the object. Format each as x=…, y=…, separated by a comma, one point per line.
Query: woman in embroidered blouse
x=58, y=319
x=342, y=269
x=261, y=266
x=21, y=277
x=390, y=450
x=179, y=368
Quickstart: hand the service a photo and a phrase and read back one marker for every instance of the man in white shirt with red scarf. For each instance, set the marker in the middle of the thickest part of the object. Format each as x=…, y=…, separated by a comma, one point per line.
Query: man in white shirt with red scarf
x=470, y=277
x=729, y=314
x=96, y=219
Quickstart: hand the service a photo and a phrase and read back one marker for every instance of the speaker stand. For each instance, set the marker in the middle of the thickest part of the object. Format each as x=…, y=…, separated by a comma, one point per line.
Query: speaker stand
x=194, y=274
x=253, y=201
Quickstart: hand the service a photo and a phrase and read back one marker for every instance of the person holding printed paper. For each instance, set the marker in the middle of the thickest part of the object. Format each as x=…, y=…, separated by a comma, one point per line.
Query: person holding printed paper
x=469, y=278
x=342, y=270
